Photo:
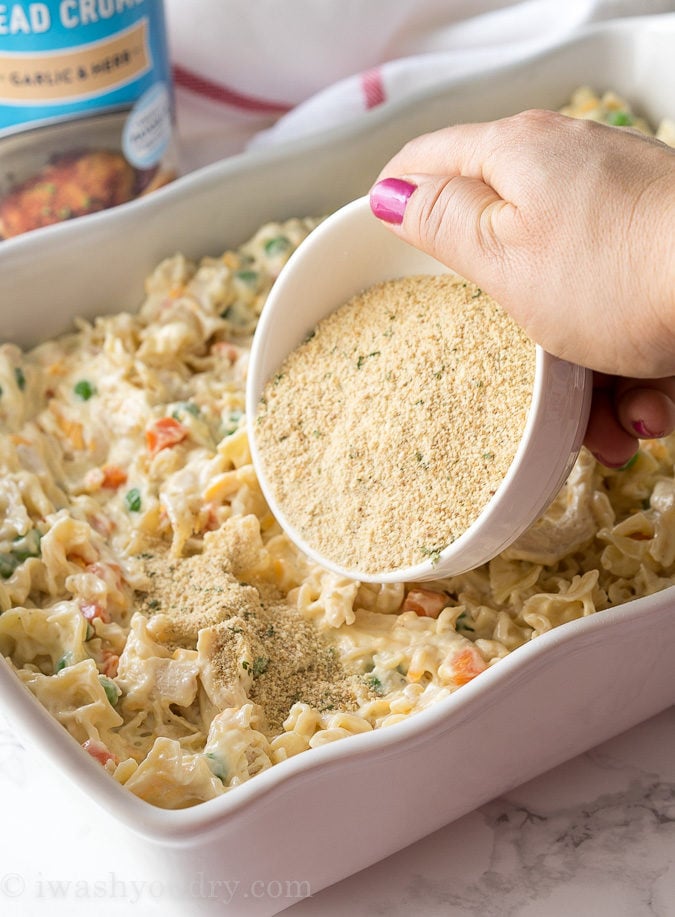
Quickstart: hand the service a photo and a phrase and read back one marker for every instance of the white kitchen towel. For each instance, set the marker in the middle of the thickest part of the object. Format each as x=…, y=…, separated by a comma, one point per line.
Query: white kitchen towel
x=251, y=73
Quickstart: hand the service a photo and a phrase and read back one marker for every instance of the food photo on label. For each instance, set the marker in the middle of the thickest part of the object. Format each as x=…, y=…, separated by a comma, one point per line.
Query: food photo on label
x=86, y=109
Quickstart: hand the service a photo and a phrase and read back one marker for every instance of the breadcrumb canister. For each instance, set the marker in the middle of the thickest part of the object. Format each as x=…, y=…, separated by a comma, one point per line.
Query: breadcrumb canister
x=86, y=108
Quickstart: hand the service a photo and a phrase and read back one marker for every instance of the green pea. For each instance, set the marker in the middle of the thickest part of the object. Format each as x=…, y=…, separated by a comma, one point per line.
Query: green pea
x=250, y=278
x=27, y=545
x=231, y=422
x=112, y=692
x=276, y=246
x=620, y=118
x=186, y=407
x=84, y=389
x=133, y=500
x=8, y=564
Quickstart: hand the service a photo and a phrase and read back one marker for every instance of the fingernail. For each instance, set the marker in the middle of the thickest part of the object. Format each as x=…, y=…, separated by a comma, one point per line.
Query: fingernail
x=641, y=429
x=608, y=464
x=388, y=199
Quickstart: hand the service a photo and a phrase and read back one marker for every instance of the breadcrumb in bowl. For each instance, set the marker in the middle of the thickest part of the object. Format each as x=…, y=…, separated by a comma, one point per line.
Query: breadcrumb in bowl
x=406, y=432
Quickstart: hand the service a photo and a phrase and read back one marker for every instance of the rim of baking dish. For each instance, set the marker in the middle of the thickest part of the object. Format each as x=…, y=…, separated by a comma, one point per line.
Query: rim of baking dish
x=177, y=826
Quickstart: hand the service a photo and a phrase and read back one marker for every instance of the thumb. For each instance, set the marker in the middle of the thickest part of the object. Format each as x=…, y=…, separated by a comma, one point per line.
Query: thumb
x=455, y=219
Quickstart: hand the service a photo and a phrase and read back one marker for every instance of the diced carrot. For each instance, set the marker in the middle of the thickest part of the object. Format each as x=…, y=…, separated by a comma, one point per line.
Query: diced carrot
x=425, y=602
x=91, y=610
x=109, y=663
x=226, y=350
x=113, y=476
x=466, y=665
x=98, y=751
x=164, y=433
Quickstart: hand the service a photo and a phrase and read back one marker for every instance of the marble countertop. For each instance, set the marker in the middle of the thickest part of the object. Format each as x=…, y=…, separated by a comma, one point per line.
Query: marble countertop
x=595, y=836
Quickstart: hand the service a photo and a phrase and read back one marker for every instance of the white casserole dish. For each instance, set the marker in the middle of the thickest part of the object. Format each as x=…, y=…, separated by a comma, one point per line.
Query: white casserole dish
x=318, y=817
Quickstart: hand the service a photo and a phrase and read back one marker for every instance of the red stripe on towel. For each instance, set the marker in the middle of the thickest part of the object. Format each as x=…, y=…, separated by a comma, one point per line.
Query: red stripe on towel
x=186, y=79
x=373, y=87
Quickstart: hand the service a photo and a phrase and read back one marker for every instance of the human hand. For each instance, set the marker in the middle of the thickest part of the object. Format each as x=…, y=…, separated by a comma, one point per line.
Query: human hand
x=625, y=410
x=569, y=225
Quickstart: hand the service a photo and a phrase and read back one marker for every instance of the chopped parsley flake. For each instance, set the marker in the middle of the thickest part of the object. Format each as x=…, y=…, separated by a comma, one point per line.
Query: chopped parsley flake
x=461, y=623
x=362, y=359
x=375, y=684
x=257, y=667
x=216, y=765
x=64, y=661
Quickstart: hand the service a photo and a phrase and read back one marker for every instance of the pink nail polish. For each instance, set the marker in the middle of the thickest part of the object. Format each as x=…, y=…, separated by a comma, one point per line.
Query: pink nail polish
x=388, y=199
x=642, y=431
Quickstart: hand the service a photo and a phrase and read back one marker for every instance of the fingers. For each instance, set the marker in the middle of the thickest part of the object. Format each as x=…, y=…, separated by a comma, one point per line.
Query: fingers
x=491, y=151
x=646, y=406
x=448, y=151
x=609, y=442
x=455, y=219
x=478, y=198
x=555, y=218
x=443, y=200
x=624, y=411
x=451, y=209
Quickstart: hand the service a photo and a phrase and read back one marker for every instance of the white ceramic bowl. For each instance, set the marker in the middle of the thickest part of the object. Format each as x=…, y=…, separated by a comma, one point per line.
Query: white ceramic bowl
x=350, y=251
x=329, y=812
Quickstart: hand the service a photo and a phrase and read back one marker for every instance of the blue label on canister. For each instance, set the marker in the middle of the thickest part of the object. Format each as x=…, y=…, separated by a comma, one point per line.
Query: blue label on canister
x=61, y=59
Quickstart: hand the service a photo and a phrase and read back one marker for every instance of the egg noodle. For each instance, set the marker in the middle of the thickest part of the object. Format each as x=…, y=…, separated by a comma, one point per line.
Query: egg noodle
x=152, y=604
